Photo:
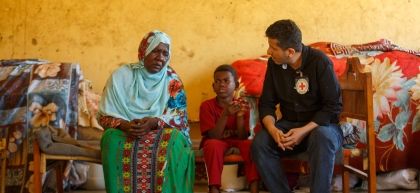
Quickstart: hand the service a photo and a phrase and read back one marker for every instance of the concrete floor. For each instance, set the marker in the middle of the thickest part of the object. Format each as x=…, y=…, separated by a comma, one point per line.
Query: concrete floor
x=202, y=188
x=202, y=191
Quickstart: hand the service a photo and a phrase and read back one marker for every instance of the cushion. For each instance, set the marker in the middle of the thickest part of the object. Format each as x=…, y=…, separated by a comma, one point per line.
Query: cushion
x=251, y=73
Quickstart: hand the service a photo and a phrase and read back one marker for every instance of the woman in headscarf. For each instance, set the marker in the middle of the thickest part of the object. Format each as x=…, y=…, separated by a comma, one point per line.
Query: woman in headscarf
x=146, y=145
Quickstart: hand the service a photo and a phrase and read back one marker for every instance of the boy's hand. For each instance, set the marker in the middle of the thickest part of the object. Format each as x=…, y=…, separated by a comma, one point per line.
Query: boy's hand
x=238, y=107
x=232, y=109
x=244, y=106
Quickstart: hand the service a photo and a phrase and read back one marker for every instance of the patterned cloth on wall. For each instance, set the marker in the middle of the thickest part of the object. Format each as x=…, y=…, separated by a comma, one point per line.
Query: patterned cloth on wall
x=33, y=93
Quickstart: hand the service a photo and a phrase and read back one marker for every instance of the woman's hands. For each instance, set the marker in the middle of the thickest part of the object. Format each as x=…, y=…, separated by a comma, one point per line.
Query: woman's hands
x=139, y=127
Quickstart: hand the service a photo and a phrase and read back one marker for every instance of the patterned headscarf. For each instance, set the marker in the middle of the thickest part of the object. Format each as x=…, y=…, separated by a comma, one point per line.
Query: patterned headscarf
x=132, y=92
x=150, y=42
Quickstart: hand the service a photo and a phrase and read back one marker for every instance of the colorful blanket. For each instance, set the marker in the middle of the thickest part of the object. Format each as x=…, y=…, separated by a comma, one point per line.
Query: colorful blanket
x=396, y=98
x=33, y=93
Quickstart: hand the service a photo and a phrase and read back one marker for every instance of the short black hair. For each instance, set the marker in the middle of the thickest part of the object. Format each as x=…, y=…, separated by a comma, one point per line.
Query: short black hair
x=228, y=68
x=287, y=34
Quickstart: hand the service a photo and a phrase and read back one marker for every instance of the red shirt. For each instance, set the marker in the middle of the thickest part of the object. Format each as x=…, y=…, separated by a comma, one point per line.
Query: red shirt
x=210, y=112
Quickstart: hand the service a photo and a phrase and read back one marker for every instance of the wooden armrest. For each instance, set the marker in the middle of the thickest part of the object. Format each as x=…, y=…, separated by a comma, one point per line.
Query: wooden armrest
x=67, y=157
x=45, y=157
x=3, y=154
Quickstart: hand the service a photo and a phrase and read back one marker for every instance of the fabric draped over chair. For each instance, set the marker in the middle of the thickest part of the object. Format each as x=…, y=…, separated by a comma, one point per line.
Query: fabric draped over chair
x=34, y=93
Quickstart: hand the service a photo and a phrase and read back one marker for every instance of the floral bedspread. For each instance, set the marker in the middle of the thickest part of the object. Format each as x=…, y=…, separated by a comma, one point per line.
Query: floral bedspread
x=396, y=98
x=33, y=93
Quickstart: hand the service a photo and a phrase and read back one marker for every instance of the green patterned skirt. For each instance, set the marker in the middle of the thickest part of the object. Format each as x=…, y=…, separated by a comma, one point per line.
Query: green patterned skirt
x=161, y=161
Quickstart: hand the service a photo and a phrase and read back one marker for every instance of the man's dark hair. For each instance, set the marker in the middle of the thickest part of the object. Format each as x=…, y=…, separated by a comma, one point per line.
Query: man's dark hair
x=287, y=34
x=227, y=68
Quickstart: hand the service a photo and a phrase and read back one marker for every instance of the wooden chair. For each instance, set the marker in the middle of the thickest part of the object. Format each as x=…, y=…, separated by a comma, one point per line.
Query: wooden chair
x=198, y=153
x=3, y=157
x=357, y=93
x=41, y=166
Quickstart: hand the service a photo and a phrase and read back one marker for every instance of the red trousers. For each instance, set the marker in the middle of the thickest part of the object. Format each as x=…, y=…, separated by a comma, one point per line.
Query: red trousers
x=214, y=150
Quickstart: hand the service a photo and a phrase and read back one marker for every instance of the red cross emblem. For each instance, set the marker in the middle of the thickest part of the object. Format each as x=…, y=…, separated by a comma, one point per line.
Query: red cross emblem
x=302, y=86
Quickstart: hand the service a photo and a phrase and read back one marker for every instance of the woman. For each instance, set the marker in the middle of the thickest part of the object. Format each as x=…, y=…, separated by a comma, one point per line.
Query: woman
x=146, y=145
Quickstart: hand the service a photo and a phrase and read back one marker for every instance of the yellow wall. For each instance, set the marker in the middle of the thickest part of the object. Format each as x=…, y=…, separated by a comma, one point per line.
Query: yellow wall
x=101, y=34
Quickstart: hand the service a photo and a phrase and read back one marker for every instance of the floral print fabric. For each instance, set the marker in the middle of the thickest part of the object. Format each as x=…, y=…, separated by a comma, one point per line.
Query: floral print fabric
x=396, y=99
x=34, y=93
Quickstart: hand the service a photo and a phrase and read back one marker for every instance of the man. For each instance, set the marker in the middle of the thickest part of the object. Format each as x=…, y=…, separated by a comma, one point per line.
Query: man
x=302, y=81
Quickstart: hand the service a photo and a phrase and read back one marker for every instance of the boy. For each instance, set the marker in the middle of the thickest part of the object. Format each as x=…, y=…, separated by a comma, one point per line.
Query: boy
x=224, y=123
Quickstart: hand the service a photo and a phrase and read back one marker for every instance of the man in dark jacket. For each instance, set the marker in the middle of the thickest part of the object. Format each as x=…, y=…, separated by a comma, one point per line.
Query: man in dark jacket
x=302, y=81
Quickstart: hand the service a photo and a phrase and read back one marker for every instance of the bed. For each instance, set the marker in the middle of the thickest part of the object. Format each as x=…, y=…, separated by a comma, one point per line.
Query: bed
x=396, y=98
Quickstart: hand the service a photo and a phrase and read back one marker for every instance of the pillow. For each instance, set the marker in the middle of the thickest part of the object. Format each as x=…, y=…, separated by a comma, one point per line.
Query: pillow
x=251, y=72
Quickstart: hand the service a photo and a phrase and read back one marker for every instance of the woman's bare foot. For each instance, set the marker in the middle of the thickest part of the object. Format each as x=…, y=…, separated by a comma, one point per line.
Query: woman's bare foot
x=253, y=187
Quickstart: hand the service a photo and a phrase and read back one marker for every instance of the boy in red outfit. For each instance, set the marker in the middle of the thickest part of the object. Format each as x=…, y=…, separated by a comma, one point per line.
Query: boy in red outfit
x=224, y=123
